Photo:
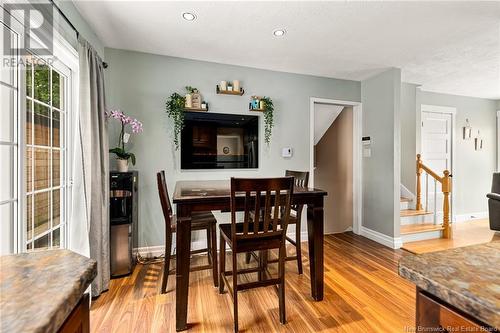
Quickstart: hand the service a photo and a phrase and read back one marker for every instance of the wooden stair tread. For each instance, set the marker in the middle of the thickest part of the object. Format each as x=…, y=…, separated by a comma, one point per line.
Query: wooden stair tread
x=414, y=212
x=403, y=199
x=418, y=228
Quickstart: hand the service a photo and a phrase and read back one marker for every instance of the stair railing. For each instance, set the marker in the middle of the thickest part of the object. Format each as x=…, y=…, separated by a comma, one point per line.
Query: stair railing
x=445, y=188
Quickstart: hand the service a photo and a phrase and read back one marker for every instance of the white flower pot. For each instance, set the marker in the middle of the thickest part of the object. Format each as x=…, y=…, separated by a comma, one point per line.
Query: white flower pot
x=122, y=165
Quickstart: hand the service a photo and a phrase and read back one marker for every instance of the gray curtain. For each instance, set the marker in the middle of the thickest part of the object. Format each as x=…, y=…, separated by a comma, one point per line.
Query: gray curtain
x=93, y=130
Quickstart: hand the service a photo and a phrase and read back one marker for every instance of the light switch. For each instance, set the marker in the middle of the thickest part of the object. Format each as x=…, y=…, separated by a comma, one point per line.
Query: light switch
x=286, y=152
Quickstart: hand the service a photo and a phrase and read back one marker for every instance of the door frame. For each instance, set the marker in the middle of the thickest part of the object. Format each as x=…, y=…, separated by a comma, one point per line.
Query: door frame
x=498, y=141
x=453, y=112
x=357, y=131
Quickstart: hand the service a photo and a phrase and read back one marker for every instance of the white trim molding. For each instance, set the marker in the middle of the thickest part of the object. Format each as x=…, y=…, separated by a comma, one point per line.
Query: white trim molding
x=357, y=132
x=460, y=218
x=392, y=242
x=498, y=140
x=159, y=250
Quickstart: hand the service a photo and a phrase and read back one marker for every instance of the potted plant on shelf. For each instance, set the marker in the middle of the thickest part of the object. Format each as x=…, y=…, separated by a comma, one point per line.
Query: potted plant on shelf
x=175, y=111
x=268, y=118
x=122, y=155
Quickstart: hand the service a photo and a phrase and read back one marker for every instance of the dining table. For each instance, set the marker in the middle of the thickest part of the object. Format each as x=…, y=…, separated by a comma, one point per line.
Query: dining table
x=215, y=195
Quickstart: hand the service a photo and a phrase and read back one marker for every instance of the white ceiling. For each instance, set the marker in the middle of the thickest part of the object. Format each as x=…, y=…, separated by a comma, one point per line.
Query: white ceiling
x=324, y=116
x=449, y=47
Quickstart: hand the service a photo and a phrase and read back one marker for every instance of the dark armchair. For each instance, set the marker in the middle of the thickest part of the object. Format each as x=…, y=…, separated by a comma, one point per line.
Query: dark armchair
x=494, y=203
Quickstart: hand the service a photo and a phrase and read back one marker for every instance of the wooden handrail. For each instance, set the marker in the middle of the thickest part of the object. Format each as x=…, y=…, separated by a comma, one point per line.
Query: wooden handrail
x=445, y=188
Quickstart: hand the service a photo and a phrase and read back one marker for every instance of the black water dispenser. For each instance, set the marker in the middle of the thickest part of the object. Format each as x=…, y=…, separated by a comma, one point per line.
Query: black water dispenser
x=123, y=214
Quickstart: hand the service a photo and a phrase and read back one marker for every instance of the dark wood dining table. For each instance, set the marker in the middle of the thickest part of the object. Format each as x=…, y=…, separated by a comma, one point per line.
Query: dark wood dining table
x=213, y=195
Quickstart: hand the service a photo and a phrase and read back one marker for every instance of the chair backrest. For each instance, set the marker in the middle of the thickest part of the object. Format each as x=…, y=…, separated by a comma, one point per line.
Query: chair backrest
x=164, y=199
x=301, y=177
x=271, y=197
x=301, y=180
x=495, y=186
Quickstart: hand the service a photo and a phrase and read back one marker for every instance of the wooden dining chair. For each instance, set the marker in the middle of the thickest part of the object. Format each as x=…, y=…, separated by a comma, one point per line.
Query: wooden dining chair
x=301, y=180
x=199, y=221
x=273, y=197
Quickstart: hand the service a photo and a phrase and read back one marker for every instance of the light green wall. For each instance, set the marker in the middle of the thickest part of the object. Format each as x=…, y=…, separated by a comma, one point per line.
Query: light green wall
x=139, y=84
x=381, y=96
x=472, y=170
x=408, y=135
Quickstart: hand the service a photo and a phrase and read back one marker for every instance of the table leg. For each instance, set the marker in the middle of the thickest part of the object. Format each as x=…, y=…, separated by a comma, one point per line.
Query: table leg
x=183, y=246
x=315, y=239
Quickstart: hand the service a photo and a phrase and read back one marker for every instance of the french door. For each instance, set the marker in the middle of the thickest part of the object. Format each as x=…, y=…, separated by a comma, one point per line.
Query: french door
x=46, y=153
x=9, y=141
x=36, y=107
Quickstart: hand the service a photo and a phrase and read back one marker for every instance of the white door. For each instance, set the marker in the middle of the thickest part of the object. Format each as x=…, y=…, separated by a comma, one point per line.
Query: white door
x=437, y=136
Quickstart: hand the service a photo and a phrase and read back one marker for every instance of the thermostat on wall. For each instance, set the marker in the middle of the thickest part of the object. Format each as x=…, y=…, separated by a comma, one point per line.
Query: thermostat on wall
x=286, y=152
x=367, y=146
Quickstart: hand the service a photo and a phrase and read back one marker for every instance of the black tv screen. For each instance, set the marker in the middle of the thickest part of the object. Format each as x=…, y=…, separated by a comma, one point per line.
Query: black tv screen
x=219, y=141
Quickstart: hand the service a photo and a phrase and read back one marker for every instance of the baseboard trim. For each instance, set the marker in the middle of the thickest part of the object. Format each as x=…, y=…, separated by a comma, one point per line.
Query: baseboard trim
x=471, y=216
x=392, y=242
x=158, y=250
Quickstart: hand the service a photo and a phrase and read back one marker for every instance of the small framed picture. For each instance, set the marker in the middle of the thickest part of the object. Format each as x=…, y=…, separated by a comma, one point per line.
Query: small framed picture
x=479, y=143
x=467, y=130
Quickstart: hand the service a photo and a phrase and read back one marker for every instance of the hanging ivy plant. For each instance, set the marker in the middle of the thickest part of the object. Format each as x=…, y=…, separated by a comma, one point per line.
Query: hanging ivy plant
x=175, y=111
x=268, y=118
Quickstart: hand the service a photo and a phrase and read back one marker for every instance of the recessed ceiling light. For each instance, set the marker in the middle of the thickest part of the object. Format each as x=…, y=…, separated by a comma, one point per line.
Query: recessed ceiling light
x=279, y=32
x=189, y=16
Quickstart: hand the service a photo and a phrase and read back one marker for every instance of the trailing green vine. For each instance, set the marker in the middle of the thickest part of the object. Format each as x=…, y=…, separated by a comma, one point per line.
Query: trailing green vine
x=268, y=118
x=175, y=111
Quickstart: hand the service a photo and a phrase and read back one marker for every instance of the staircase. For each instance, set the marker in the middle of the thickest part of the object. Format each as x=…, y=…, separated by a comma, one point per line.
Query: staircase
x=419, y=222
x=416, y=224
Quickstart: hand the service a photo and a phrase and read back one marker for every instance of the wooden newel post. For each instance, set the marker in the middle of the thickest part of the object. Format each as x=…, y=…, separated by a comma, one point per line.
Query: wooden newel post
x=446, y=188
x=419, y=186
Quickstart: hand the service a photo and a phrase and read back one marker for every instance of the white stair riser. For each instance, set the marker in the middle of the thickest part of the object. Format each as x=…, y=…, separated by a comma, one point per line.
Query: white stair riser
x=419, y=219
x=435, y=234
x=404, y=205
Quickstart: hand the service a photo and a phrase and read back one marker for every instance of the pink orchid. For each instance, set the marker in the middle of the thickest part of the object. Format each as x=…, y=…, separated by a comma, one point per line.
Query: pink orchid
x=135, y=124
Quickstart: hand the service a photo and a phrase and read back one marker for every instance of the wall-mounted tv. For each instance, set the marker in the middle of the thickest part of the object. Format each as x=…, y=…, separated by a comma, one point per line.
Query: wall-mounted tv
x=219, y=141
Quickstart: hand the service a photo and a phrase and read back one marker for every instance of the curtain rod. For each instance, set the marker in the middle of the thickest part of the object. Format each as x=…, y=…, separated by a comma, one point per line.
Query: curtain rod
x=104, y=64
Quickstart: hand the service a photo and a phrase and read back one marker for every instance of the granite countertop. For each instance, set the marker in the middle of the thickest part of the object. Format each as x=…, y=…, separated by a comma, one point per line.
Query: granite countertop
x=467, y=278
x=38, y=290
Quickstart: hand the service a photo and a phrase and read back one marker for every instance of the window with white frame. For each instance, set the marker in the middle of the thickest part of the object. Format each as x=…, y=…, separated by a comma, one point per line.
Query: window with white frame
x=46, y=154
x=9, y=142
x=36, y=111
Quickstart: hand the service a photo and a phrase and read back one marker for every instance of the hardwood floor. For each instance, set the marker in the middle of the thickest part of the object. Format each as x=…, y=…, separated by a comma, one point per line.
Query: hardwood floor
x=464, y=234
x=363, y=293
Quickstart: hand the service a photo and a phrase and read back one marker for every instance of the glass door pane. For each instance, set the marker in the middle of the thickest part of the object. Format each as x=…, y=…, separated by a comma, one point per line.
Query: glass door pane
x=6, y=228
x=8, y=140
x=45, y=146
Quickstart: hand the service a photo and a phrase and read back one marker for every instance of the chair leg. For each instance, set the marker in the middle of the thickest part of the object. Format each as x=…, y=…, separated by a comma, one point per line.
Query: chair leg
x=281, y=288
x=222, y=264
x=213, y=254
x=261, y=265
x=235, y=290
x=298, y=248
x=209, y=245
x=166, y=263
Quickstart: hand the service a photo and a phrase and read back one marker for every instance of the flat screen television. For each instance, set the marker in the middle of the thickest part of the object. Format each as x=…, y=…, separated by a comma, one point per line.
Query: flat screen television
x=219, y=141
